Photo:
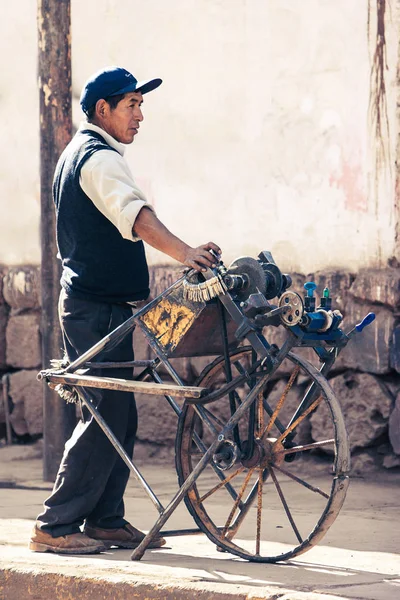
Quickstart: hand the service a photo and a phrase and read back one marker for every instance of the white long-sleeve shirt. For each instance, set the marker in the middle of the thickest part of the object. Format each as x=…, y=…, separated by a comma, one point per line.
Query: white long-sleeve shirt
x=107, y=180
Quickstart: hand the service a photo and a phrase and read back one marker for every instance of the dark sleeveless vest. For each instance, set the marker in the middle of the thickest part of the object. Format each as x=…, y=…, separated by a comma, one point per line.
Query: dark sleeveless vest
x=97, y=262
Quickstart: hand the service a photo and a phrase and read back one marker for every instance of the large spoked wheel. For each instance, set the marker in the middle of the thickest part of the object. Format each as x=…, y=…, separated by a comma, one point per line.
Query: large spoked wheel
x=271, y=490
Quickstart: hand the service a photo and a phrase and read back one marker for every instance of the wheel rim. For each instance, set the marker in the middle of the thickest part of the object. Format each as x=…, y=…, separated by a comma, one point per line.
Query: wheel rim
x=263, y=496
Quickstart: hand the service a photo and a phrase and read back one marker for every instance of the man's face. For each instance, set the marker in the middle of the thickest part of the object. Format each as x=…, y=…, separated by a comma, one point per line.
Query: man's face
x=123, y=121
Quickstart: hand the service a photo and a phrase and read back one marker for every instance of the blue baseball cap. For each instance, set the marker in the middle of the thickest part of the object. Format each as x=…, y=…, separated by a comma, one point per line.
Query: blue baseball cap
x=112, y=81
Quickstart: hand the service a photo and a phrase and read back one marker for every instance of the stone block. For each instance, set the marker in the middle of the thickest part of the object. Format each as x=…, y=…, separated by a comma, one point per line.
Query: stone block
x=147, y=453
x=363, y=463
x=368, y=350
x=26, y=394
x=183, y=366
x=157, y=421
x=140, y=345
x=377, y=285
x=21, y=287
x=199, y=363
x=391, y=461
x=290, y=405
x=338, y=283
x=23, y=341
x=3, y=327
x=161, y=277
x=3, y=271
x=366, y=409
x=395, y=349
x=298, y=281
x=394, y=426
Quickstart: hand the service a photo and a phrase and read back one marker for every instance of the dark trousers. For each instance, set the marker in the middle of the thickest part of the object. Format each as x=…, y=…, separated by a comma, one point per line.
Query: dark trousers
x=92, y=477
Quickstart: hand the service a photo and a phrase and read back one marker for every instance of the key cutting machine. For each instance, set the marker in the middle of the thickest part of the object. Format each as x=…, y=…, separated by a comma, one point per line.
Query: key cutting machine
x=261, y=438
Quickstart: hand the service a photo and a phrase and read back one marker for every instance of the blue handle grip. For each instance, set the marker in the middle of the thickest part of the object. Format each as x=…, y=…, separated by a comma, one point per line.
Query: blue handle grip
x=310, y=287
x=366, y=321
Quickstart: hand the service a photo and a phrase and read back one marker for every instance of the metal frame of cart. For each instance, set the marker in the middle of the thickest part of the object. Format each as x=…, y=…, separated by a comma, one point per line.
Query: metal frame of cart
x=238, y=446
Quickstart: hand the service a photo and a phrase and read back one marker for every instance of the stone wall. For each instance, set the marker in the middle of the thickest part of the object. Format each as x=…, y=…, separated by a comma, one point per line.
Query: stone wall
x=20, y=351
x=365, y=377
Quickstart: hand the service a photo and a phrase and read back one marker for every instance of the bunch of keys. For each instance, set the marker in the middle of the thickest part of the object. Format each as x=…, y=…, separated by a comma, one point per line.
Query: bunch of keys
x=205, y=290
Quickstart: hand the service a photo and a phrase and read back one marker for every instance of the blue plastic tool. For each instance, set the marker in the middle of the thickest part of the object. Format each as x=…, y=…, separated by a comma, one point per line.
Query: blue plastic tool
x=366, y=321
x=309, y=300
x=310, y=287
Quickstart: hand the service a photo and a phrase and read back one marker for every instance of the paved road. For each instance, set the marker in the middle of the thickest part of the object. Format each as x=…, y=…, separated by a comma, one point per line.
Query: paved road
x=358, y=559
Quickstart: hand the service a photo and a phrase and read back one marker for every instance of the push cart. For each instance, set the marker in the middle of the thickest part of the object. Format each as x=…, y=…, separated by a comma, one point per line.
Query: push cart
x=243, y=442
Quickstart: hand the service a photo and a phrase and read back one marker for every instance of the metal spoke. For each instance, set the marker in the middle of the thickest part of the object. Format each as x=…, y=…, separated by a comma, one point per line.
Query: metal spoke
x=260, y=424
x=299, y=420
x=246, y=505
x=304, y=447
x=285, y=505
x=259, y=508
x=238, y=499
x=220, y=484
x=281, y=401
x=269, y=438
x=302, y=482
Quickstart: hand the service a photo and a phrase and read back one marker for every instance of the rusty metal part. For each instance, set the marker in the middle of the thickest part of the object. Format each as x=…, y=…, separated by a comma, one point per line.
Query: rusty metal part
x=281, y=401
x=295, y=306
x=256, y=456
x=227, y=388
x=124, y=385
x=120, y=332
x=188, y=484
x=246, y=506
x=201, y=339
x=221, y=484
x=226, y=455
x=259, y=509
x=176, y=316
x=299, y=419
x=272, y=453
x=170, y=319
x=271, y=460
x=236, y=504
x=260, y=415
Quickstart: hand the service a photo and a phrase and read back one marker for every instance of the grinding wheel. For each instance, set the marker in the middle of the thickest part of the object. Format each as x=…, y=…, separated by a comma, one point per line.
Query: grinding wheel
x=254, y=273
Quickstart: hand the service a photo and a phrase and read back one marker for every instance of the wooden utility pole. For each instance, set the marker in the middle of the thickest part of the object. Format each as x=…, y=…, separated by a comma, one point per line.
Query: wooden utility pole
x=54, y=70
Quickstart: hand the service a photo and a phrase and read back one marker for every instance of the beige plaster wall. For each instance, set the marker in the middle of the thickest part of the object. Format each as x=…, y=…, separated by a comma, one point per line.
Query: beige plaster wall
x=258, y=138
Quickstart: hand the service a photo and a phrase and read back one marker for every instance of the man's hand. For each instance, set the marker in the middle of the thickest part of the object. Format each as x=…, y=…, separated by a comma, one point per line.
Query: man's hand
x=200, y=257
x=148, y=227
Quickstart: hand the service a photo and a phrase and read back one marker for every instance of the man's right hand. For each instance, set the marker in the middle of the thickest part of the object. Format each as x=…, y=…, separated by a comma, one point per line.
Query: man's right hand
x=200, y=258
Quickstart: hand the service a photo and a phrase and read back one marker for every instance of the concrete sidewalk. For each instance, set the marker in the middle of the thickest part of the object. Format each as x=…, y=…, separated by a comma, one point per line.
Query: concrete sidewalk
x=358, y=559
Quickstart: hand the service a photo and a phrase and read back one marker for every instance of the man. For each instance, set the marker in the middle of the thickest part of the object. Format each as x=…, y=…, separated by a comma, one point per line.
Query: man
x=102, y=218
